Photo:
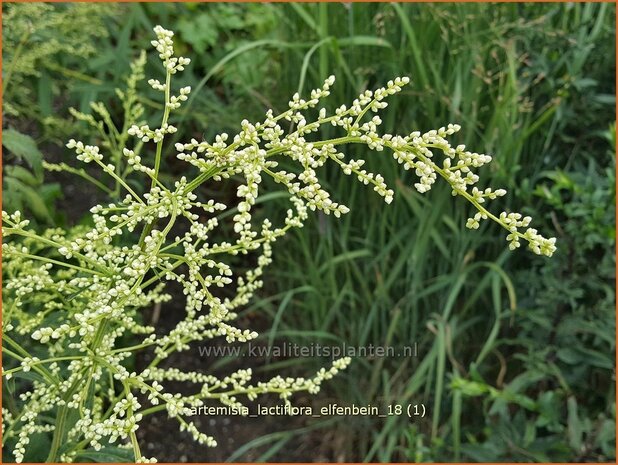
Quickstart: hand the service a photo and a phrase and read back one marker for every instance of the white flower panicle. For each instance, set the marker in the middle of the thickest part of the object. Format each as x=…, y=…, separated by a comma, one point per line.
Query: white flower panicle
x=77, y=293
x=165, y=46
x=254, y=152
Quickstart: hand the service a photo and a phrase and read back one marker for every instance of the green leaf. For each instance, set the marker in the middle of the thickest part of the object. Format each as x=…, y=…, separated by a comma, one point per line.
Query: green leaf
x=107, y=454
x=581, y=355
x=29, y=375
x=24, y=147
x=200, y=32
x=229, y=17
x=30, y=196
x=21, y=173
x=605, y=99
x=575, y=431
x=38, y=448
x=50, y=192
x=369, y=41
x=10, y=385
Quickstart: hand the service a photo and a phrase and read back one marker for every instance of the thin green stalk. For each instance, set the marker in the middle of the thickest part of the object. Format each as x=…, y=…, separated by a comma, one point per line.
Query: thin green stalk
x=135, y=444
x=60, y=424
x=166, y=114
x=56, y=262
x=40, y=362
x=88, y=178
x=120, y=180
x=56, y=245
x=40, y=370
x=148, y=228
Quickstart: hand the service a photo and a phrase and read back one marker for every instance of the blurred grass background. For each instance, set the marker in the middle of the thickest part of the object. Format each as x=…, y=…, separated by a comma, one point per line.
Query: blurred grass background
x=515, y=352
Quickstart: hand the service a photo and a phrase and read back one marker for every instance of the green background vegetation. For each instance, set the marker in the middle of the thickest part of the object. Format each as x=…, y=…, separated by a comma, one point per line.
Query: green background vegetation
x=515, y=352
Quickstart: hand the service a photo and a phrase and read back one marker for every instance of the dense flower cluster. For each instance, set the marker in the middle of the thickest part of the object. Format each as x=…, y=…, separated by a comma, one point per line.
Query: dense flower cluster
x=78, y=293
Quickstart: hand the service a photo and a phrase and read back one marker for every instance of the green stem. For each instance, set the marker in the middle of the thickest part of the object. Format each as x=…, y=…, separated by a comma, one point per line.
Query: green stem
x=131, y=348
x=61, y=418
x=157, y=164
x=119, y=180
x=79, y=172
x=166, y=114
x=136, y=450
x=203, y=177
x=47, y=360
x=42, y=371
x=56, y=262
x=56, y=245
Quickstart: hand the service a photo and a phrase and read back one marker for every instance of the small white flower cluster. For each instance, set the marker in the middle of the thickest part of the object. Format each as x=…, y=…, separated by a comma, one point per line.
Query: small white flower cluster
x=134, y=161
x=156, y=85
x=78, y=293
x=165, y=46
x=174, y=102
x=26, y=363
x=537, y=243
x=85, y=153
x=143, y=459
x=146, y=134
